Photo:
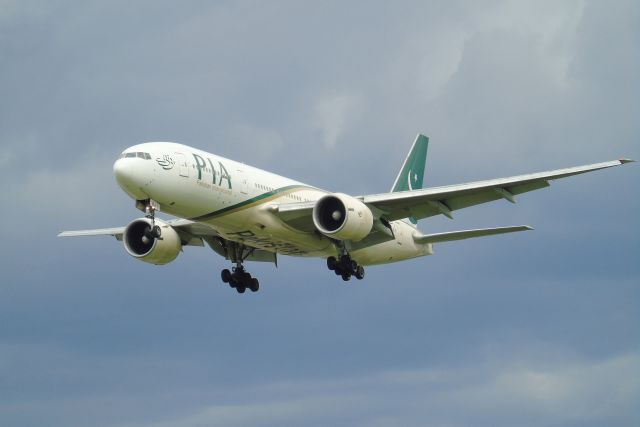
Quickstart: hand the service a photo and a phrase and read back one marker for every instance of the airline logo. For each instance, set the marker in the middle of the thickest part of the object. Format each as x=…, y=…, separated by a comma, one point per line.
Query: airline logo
x=166, y=162
x=218, y=173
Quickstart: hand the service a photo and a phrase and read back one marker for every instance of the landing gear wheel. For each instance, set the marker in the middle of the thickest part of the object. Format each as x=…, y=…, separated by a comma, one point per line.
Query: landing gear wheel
x=331, y=262
x=346, y=277
x=254, y=285
x=226, y=276
x=359, y=273
x=237, y=277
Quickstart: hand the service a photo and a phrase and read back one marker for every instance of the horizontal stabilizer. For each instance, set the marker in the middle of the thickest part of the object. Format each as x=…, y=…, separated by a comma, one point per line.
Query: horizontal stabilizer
x=466, y=234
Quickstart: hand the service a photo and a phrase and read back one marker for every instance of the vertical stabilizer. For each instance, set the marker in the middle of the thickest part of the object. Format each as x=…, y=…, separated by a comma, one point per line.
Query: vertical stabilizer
x=411, y=174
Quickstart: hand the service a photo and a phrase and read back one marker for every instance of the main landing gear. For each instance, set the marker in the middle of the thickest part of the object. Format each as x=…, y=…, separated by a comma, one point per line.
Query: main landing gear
x=238, y=277
x=345, y=267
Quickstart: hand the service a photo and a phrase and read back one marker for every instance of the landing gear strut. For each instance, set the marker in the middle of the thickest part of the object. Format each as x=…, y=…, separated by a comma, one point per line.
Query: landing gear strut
x=345, y=267
x=153, y=231
x=238, y=277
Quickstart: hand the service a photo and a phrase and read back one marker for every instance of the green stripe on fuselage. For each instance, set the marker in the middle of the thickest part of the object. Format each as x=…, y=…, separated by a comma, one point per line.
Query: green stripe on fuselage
x=254, y=201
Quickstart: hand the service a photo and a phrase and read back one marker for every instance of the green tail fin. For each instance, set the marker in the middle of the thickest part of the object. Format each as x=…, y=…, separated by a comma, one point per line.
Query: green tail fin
x=411, y=175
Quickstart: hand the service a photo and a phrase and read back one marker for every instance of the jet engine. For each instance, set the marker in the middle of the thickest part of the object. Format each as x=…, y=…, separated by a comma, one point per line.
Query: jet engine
x=156, y=245
x=342, y=217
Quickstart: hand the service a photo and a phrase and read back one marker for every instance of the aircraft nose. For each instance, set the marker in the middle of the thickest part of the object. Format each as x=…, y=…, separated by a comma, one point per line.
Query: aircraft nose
x=123, y=172
x=127, y=178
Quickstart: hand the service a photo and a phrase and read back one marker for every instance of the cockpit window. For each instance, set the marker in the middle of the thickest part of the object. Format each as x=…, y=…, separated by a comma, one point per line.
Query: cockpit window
x=141, y=155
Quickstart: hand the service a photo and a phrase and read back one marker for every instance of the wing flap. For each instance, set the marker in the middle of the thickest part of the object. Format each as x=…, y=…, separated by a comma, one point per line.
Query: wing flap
x=466, y=234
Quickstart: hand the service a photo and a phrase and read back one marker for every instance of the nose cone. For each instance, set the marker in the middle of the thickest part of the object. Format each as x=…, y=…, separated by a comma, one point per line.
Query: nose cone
x=122, y=171
x=127, y=180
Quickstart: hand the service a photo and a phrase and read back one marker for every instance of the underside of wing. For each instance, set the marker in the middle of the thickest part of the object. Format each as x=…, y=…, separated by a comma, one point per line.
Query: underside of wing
x=445, y=200
x=295, y=215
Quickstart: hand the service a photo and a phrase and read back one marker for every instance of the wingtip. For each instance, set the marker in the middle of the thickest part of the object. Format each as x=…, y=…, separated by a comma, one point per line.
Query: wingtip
x=528, y=227
x=624, y=160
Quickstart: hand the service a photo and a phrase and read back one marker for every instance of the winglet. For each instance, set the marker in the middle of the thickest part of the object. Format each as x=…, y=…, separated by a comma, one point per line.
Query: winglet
x=622, y=160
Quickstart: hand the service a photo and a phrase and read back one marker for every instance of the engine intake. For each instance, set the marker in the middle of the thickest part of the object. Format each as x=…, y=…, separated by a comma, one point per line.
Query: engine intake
x=342, y=217
x=141, y=243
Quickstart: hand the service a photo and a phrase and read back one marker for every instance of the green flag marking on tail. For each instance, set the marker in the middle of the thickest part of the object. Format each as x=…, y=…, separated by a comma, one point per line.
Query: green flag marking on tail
x=411, y=174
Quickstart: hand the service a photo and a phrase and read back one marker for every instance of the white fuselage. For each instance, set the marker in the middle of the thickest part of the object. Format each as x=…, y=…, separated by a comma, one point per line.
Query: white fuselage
x=236, y=200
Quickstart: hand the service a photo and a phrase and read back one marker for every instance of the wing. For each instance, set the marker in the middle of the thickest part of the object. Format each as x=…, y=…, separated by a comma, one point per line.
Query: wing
x=191, y=234
x=115, y=232
x=444, y=200
x=441, y=200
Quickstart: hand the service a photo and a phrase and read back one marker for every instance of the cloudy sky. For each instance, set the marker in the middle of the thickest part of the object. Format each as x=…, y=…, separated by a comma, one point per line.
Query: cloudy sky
x=535, y=329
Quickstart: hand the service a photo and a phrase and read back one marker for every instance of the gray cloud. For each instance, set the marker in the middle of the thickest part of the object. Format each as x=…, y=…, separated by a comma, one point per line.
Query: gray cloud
x=483, y=333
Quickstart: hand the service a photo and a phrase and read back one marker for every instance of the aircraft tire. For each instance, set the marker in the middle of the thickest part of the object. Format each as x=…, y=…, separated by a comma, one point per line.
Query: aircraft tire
x=331, y=263
x=226, y=276
x=346, y=277
x=359, y=273
x=254, y=285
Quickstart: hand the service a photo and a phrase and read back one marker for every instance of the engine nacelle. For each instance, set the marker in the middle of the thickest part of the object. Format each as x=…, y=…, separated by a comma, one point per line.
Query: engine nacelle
x=140, y=242
x=342, y=217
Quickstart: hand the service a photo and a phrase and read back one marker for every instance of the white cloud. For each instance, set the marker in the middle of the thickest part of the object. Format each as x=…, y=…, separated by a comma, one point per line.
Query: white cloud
x=578, y=391
x=252, y=144
x=560, y=393
x=83, y=193
x=554, y=26
x=333, y=114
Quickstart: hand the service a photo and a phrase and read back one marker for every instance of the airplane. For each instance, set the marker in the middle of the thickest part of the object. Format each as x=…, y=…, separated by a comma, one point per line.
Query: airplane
x=248, y=214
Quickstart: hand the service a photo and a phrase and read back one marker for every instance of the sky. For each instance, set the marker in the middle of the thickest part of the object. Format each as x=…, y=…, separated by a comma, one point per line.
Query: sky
x=531, y=329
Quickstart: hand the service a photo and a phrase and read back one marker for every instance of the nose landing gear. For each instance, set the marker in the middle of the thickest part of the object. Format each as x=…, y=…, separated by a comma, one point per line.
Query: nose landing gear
x=153, y=231
x=345, y=267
